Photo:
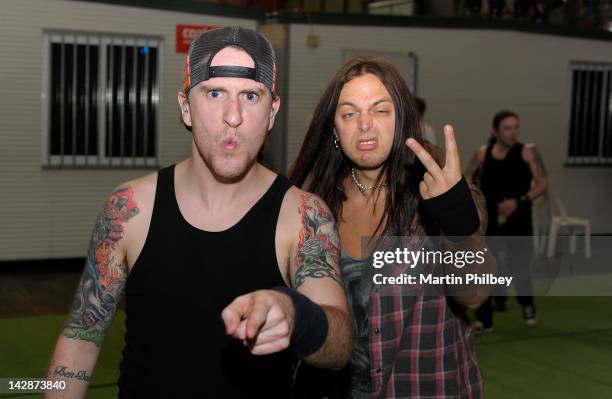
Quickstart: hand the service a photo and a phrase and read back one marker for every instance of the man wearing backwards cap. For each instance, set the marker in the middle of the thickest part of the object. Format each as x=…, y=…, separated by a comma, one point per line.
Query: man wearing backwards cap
x=230, y=273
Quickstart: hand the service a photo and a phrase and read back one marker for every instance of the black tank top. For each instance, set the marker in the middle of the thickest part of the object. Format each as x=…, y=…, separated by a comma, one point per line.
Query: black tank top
x=176, y=345
x=504, y=179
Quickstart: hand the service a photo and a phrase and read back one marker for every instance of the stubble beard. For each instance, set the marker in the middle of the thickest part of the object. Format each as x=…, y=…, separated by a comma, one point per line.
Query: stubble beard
x=228, y=167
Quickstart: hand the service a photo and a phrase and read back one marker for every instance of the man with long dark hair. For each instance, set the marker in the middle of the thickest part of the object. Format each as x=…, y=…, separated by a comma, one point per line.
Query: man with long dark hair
x=511, y=175
x=364, y=155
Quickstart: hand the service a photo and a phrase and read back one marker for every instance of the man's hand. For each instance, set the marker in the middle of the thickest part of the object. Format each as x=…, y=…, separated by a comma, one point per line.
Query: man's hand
x=263, y=320
x=436, y=180
x=507, y=207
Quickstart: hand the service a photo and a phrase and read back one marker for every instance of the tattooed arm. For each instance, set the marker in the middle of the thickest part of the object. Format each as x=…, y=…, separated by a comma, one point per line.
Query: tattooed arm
x=532, y=156
x=315, y=272
x=265, y=319
x=97, y=296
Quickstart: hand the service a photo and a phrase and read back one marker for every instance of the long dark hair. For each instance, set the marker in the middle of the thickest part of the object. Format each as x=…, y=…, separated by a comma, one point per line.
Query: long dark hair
x=325, y=167
x=497, y=120
x=500, y=116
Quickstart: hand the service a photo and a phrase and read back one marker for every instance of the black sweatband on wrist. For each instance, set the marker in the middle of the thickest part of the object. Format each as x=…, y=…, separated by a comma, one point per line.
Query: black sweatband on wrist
x=454, y=211
x=310, y=323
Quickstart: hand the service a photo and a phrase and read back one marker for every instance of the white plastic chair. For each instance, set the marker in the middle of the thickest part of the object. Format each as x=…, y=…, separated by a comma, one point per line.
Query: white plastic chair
x=560, y=219
x=541, y=215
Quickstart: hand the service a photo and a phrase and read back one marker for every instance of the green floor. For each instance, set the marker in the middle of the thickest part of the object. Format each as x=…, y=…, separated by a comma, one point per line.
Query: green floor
x=567, y=355
x=26, y=345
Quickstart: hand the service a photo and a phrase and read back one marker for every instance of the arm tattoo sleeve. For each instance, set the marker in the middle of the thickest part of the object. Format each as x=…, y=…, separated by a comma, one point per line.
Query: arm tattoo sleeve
x=539, y=161
x=104, y=277
x=317, y=251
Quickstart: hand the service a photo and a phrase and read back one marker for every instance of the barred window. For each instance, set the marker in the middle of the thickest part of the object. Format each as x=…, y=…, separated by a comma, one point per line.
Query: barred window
x=590, y=137
x=101, y=96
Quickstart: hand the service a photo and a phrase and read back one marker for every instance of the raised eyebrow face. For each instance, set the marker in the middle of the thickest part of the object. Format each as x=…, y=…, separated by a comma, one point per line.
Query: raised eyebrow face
x=374, y=104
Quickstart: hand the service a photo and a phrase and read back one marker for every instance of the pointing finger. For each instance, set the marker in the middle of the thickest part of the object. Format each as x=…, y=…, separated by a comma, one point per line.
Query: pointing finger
x=234, y=313
x=231, y=319
x=256, y=319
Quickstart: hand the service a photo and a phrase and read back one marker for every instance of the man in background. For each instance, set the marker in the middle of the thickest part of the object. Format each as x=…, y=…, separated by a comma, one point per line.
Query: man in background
x=511, y=175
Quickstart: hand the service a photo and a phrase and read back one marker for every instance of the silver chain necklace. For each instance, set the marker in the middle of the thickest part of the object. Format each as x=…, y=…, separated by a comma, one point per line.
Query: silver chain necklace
x=362, y=189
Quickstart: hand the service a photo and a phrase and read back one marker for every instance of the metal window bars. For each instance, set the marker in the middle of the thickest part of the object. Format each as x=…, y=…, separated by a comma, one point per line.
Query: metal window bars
x=590, y=136
x=101, y=100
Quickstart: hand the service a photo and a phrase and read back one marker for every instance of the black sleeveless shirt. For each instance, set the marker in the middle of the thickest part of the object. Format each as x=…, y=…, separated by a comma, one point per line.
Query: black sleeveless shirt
x=504, y=179
x=176, y=345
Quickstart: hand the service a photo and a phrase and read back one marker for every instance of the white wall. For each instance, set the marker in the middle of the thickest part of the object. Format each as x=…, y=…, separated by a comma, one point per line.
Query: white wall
x=466, y=76
x=50, y=213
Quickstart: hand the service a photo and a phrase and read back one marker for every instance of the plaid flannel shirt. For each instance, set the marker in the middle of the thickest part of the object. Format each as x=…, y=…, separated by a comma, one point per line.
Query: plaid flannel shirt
x=421, y=343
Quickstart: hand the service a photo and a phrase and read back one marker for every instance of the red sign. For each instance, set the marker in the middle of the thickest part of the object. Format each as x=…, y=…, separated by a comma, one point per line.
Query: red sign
x=186, y=33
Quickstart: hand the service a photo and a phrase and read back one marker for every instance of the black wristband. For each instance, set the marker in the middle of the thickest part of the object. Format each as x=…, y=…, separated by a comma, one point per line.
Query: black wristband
x=310, y=323
x=454, y=211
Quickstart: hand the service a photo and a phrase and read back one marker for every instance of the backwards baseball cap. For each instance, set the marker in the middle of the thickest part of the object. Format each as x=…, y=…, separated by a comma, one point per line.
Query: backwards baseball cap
x=207, y=44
